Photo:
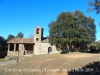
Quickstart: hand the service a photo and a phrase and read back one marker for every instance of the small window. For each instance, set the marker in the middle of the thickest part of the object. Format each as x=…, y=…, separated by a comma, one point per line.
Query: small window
x=37, y=39
x=37, y=31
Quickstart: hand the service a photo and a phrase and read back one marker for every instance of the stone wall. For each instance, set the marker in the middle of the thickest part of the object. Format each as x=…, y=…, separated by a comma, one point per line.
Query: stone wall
x=21, y=49
x=42, y=48
x=37, y=48
x=13, y=53
x=16, y=53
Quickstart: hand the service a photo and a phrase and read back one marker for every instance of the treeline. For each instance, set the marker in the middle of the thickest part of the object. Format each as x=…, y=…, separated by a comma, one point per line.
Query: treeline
x=94, y=47
x=3, y=44
x=72, y=31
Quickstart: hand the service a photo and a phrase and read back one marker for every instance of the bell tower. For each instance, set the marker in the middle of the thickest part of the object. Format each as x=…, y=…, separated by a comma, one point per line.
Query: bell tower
x=38, y=34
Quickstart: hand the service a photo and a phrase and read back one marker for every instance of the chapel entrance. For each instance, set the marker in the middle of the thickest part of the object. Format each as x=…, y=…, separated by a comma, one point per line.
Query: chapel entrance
x=28, y=49
x=49, y=50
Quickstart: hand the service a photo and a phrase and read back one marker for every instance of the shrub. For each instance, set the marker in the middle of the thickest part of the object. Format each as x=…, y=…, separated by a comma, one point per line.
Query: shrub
x=94, y=48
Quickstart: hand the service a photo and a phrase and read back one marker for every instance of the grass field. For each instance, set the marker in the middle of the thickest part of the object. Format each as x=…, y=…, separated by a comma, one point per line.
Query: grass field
x=52, y=64
x=2, y=59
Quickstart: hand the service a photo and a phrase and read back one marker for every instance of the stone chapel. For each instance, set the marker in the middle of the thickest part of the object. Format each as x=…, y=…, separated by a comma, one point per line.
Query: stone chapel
x=31, y=46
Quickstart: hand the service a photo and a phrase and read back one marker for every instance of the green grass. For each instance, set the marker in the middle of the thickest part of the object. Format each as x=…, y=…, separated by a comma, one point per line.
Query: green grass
x=43, y=64
x=2, y=59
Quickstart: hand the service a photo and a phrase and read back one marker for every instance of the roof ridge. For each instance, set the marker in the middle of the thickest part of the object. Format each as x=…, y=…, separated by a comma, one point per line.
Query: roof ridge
x=21, y=40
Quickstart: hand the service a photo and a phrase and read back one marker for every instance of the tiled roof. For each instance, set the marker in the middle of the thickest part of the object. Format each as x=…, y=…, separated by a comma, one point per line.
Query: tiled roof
x=45, y=40
x=21, y=40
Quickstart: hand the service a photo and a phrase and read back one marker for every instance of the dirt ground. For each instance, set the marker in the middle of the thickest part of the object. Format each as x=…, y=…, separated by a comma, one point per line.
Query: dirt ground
x=74, y=56
x=80, y=56
x=51, y=61
x=77, y=55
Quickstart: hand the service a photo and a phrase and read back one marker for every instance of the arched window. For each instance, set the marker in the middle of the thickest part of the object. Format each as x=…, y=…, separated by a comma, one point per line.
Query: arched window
x=37, y=39
x=37, y=31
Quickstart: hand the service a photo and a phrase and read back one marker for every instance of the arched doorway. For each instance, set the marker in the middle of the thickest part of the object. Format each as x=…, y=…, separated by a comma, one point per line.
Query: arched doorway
x=49, y=50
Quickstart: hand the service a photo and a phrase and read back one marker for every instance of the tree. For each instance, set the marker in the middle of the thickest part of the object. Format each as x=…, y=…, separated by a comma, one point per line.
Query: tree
x=10, y=36
x=2, y=41
x=62, y=30
x=20, y=35
x=85, y=27
x=70, y=29
x=31, y=36
x=97, y=46
x=94, y=5
x=3, y=47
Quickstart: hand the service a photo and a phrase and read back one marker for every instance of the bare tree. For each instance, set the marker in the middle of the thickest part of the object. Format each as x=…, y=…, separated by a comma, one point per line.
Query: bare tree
x=30, y=36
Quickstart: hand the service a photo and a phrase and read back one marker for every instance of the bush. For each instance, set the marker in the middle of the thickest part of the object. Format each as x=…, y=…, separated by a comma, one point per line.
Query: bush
x=98, y=46
x=94, y=48
x=3, y=52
